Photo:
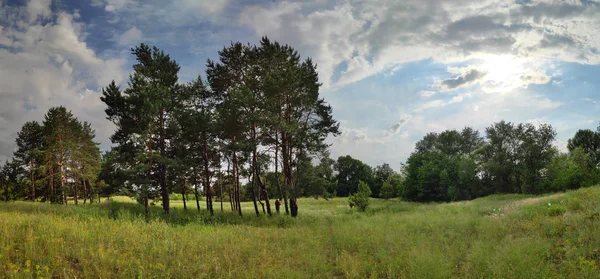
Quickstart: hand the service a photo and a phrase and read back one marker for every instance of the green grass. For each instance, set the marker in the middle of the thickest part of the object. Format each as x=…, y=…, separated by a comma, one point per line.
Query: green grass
x=501, y=236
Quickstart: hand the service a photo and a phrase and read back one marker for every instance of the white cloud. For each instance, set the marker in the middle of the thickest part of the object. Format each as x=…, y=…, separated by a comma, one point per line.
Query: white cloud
x=427, y=94
x=113, y=5
x=38, y=9
x=442, y=103
x=431, y=104
x=130, y=37
x=47, y=65
x=211, y=8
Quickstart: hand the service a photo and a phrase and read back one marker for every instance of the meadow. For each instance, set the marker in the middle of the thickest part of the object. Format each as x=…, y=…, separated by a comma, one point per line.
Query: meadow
x=499, y=236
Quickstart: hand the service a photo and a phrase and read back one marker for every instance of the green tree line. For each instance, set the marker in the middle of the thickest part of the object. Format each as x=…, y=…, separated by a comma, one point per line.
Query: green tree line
x=254, y=129
x=54, y=160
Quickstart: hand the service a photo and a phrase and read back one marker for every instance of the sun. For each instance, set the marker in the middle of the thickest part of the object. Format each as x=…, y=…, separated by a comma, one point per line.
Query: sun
x=503, y=69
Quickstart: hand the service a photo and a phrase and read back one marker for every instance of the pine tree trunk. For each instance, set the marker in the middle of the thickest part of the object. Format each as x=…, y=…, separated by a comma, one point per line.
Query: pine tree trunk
x=221, y=191
x=183, y=196
x=287, y=169
x=207, y=187
x=84, y=191
x=147, y=208
x=236, y=183
x=62, y=183
x=162, y=167
x=262, y=189
x=90, y=191
x=281, y=192
x=230, y=184
x=52, y=192
x=75, y=189
x=252, y=188
x=32, y=181
x=196, y=190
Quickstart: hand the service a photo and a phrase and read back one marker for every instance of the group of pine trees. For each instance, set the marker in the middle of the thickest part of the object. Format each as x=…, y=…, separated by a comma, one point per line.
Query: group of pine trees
x=259, y=107
x=54, y=160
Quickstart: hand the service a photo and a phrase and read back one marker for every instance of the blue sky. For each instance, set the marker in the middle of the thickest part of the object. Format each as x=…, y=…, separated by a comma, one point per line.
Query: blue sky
x=392, y=70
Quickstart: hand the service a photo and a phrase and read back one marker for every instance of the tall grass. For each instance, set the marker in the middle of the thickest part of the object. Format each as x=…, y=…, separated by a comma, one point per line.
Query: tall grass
x=494, y=237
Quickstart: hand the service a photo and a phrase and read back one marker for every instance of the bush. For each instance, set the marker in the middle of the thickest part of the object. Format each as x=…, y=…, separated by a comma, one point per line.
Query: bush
x=361, y=198
x=387, y=191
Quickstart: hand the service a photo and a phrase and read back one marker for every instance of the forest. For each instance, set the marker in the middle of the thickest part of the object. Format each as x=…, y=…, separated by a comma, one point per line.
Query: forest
x=255, y=130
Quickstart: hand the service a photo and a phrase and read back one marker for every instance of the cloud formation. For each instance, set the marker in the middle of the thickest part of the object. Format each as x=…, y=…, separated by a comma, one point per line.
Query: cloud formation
x=371, y=36
x=46, y=62
x=463, y=80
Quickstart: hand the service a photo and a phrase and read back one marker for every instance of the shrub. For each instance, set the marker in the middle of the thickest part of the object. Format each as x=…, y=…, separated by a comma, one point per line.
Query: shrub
x=361, y=198
x=387, y=191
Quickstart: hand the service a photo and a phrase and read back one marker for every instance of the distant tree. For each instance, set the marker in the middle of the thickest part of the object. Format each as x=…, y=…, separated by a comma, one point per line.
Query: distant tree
x=535, y=153
x=588, y=141
x=350, y=172
x=62, y=133
x=572, y=171
x=360, y=199
x=500, y=156
x=387, y=191
x=442, y=167
x=29, y=153
x=381, y=174
x=11, y=187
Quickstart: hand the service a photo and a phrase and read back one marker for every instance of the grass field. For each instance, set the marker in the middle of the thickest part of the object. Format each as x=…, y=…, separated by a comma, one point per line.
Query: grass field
x=501, y=236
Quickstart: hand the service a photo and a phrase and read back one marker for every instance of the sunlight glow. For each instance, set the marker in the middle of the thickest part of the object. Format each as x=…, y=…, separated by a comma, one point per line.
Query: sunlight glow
x=504, y=71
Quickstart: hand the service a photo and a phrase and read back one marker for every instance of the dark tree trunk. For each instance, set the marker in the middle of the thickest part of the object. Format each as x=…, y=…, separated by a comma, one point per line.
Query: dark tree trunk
x=147, y=208
x=236, y=183
x=90, y=191
x=32, y=181
x=252, y=188
x=183, y=196
x=281, y=192
x=76, y=191
x=84, y=191
x=207, y=187
x=52, y=192
x=196, y=190
x=262, y=194
x=220, y=186
x=230, y=184
x=287, y=170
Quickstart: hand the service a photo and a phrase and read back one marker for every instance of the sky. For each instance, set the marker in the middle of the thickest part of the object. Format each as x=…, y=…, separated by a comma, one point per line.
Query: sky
x=391, y=70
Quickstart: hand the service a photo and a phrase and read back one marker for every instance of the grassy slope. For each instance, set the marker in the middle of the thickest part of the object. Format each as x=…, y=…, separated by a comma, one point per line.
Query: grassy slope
x=394, y=239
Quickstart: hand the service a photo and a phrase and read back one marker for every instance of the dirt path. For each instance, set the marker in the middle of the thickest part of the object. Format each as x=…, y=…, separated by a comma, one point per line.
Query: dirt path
x=509, y=207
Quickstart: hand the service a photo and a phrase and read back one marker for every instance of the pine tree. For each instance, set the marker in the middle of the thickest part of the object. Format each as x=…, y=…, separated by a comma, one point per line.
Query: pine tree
x=29, y=152
x=143, y=113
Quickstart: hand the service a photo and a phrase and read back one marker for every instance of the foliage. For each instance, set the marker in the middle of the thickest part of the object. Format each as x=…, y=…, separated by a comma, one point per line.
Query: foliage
x=144, y=116
x=360, y=199
x=387, y=191
x=350, y=172
x=53, y=160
